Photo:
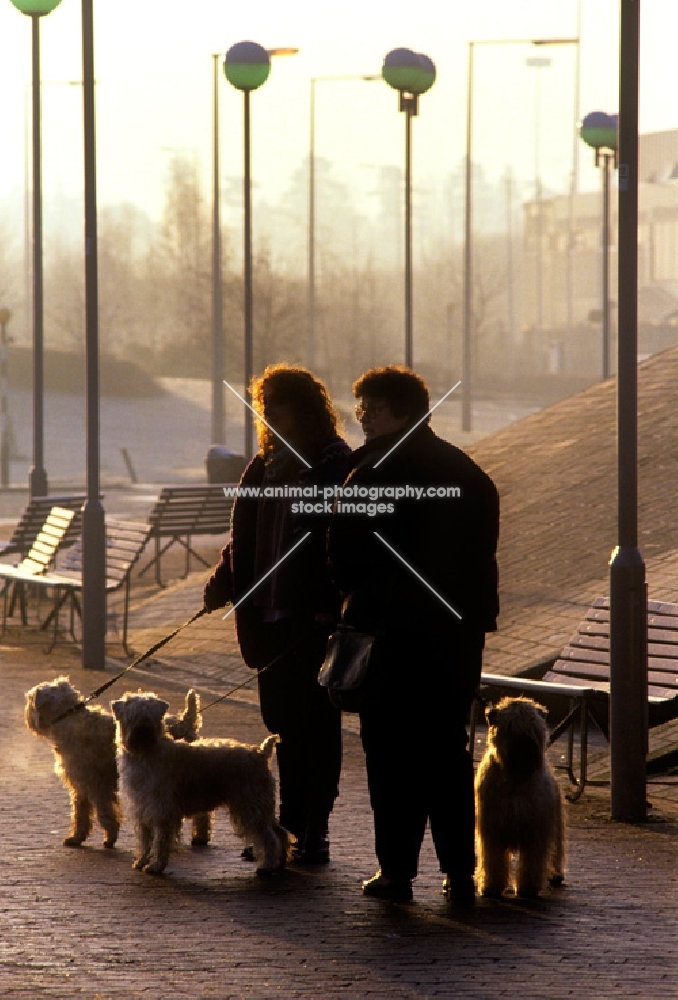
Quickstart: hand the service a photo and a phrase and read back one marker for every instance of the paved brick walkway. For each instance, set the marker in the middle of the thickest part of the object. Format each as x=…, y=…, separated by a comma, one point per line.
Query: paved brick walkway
x=83, y=923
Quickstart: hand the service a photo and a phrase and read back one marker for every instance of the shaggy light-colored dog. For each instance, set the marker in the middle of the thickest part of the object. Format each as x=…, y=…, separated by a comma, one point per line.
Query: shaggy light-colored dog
x=519, y=808
x=83, y=741
x=166, y=781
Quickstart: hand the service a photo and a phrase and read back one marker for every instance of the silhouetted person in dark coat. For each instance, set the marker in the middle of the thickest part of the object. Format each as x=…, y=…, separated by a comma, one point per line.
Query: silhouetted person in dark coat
x=289, y=614
x=427, y=588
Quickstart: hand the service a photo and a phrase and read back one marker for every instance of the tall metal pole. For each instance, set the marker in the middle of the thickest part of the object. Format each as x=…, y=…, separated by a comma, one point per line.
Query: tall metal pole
x=37, y=480
x=5, y=315
x=510, y=292
x=409, y=104
x=249, y=325
x=310, y=341
x=93, y=526
x=466, y=413
x=538, y=63
x=218, y=430
x=606, y=264
x=628, y=591
x=574, y=186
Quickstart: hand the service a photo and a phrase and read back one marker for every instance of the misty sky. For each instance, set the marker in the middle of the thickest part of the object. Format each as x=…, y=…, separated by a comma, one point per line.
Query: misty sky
x=153, y=67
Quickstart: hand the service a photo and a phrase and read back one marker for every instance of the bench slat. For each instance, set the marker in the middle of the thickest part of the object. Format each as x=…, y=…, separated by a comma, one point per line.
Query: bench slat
x=666, y=678
x=665, y=633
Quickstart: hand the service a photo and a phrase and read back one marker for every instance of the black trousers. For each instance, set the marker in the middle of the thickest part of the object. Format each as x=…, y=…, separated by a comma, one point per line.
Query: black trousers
x=299, y=710
x=419, y=769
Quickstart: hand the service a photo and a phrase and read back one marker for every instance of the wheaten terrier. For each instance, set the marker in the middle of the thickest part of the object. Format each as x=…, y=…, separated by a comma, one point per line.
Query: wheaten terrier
x=83, y=741
x=519, y=806
x=166, y=780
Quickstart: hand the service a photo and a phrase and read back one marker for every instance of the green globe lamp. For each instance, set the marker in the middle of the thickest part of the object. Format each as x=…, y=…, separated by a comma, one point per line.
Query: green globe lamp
x=600, y=131
x=411, y=74
x=247, y=67
x=35, y=8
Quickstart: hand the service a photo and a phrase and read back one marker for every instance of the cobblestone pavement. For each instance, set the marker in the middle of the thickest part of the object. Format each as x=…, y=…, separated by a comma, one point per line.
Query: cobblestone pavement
x=84, y=923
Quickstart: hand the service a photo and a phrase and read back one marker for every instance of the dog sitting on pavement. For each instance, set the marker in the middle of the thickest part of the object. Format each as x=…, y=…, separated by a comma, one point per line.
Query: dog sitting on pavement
x=83, y=741
x=167, y=780
x=519, y=807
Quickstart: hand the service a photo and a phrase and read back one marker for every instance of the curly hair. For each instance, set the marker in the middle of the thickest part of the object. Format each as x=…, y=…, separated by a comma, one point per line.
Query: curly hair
x=403, y=390
x=314, y=415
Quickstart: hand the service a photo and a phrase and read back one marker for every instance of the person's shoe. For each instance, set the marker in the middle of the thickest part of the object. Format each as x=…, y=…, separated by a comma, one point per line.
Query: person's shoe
x=315, y=851
x=460, y=891
x=395, y=890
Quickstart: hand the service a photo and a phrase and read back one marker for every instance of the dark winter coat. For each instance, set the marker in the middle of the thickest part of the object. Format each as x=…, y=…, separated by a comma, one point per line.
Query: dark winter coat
x=450, y=542
x=306, y=579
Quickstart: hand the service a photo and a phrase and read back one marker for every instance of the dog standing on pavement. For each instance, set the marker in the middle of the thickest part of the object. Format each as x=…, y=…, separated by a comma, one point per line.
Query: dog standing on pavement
x=167, y=780
x=519, y=807
x=83, y=741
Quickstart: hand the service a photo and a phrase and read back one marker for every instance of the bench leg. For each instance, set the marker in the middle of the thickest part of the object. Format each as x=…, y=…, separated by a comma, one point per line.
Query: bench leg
x=578, y=707
x=5, y=595
x=583, y=752
x=125, y=615
x=54, y=615
x=18, y=594
x=155, y=561
x=59, y=601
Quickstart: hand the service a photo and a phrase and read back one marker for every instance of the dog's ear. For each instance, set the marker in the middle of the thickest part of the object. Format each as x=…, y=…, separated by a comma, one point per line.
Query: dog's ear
x=491, y=714
x=40, y=695
x=117, y=708
x=159, y=707
x=544, y=712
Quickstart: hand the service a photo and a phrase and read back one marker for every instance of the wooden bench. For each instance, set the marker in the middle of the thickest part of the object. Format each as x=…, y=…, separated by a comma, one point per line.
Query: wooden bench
x=35, y=515
x=183, y=511
x=125, y=541
x=580, y=680
x=50, y=536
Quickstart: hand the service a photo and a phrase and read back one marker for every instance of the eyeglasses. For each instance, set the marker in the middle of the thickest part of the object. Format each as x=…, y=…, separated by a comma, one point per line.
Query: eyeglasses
x=370, y=411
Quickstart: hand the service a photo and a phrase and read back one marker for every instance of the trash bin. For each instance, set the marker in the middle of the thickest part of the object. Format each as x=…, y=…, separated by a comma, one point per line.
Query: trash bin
x=223, y=466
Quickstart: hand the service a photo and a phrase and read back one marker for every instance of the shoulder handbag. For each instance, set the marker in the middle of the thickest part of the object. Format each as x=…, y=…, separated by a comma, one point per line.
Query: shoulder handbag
x=345, y=667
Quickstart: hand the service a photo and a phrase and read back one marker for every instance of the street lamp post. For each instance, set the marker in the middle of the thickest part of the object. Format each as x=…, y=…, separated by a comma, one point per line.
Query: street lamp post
x=218, y=428
x=93, y=521
x=538, y=62
x=467, y=340
x=411, y=74
x=310, y=341
x=628, y=590
x=37, y=480
x=599, y=131
x=247, y=67
x=5, y=316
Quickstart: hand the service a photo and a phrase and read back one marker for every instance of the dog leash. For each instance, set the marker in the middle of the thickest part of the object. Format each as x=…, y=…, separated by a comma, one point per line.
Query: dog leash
x=144, y=656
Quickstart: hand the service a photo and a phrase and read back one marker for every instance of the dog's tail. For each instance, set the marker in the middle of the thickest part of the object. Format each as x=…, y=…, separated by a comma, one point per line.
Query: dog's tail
x=266, y=748
x=188, y=724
